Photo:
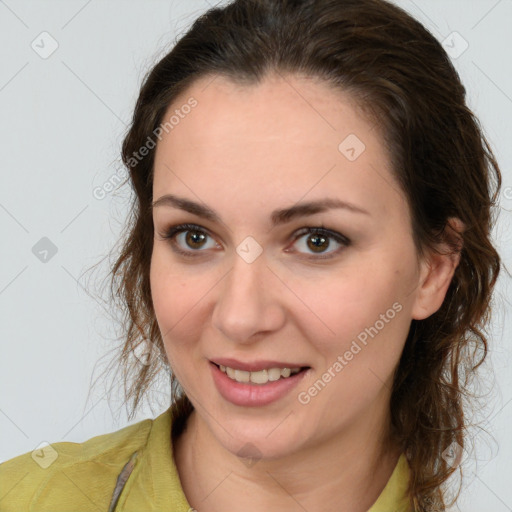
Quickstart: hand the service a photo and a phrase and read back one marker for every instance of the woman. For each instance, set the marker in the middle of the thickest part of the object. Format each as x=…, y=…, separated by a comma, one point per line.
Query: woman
x=310, y=254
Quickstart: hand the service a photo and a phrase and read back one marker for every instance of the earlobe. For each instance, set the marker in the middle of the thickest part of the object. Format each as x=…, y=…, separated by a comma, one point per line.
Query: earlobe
x=436, y=273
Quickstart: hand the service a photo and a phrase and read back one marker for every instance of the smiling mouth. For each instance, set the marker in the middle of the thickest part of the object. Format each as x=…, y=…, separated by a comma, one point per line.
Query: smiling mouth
x=262, y=376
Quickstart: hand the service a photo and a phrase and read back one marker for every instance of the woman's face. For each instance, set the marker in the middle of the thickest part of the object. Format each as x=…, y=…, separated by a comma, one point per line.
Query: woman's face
x=252, y=286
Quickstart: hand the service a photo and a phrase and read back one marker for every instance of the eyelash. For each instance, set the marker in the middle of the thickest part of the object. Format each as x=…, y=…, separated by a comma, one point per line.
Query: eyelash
x=171, y=233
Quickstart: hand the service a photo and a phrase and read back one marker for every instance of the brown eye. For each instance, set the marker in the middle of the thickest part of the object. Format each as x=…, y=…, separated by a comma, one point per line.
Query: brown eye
x=317, y=243
x=195, y=239
x=318, y=240
x=189, y=239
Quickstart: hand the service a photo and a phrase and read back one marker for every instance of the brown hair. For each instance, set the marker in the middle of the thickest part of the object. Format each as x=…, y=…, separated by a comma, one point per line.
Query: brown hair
x=400, y=74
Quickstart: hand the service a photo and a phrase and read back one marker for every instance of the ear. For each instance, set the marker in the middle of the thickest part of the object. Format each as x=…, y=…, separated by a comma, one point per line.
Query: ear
x=436, y=272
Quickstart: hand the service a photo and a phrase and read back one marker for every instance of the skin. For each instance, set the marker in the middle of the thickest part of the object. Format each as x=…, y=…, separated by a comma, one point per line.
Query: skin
x=245, y=151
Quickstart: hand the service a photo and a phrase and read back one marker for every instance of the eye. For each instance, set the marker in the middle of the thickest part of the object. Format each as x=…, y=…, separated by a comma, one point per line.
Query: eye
x=187, y=235
x=318, y=240
x=190, y=239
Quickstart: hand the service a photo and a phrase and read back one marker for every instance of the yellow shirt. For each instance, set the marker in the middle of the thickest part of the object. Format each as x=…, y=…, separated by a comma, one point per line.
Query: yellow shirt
x=130, y=470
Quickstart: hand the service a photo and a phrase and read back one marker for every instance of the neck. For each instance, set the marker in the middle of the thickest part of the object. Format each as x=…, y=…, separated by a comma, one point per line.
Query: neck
x=346, y=472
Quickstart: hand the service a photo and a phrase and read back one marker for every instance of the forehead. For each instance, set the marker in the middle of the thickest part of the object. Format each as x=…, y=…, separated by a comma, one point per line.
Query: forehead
x=285, y=137
x=288, y=109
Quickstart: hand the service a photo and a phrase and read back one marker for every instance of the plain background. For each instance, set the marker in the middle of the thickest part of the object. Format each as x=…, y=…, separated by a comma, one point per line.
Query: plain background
x=61, y=126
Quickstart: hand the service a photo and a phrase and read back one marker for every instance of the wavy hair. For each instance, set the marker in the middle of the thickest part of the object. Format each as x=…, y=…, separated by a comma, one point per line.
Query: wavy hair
x=401, y=76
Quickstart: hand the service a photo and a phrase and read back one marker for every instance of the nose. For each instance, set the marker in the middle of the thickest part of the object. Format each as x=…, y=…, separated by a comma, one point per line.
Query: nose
x=249, y=302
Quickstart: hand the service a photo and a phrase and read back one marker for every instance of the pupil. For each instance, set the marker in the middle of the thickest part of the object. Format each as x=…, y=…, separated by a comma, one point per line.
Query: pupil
x=318, y=240
x=195, y=237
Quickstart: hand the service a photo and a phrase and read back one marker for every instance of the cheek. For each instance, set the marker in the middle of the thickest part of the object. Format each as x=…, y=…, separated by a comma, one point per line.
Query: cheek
x=358, y=352
x=342, y=306
x=359, y=329
x=180, y=300
x=173, y=302
x=173, y=297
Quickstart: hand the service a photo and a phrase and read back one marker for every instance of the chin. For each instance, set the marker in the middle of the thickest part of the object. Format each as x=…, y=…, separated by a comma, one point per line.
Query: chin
x=257, y=442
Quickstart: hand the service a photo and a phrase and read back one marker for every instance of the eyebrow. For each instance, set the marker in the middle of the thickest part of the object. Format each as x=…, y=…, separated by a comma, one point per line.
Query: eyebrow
x=280, y=216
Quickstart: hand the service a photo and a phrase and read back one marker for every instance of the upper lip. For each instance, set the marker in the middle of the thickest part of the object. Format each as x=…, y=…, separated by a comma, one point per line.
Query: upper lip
x=254, y=366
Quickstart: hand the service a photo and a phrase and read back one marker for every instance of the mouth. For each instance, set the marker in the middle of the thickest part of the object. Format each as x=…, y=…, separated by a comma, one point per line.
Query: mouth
x=261, y=377
x=256, y=388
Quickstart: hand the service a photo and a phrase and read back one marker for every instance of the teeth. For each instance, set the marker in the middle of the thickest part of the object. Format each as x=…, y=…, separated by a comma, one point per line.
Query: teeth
x=274, y=374
x=242, y=376
x=261, y=377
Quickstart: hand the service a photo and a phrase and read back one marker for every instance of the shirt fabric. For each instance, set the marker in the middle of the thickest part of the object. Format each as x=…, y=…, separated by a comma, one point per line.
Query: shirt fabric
x=129, y=470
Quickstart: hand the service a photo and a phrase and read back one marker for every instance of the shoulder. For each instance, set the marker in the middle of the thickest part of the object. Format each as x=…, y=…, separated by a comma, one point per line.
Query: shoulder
x=69, y=476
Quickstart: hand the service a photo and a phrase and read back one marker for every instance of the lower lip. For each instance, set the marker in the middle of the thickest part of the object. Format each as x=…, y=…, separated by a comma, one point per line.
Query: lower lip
x=253, y=395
